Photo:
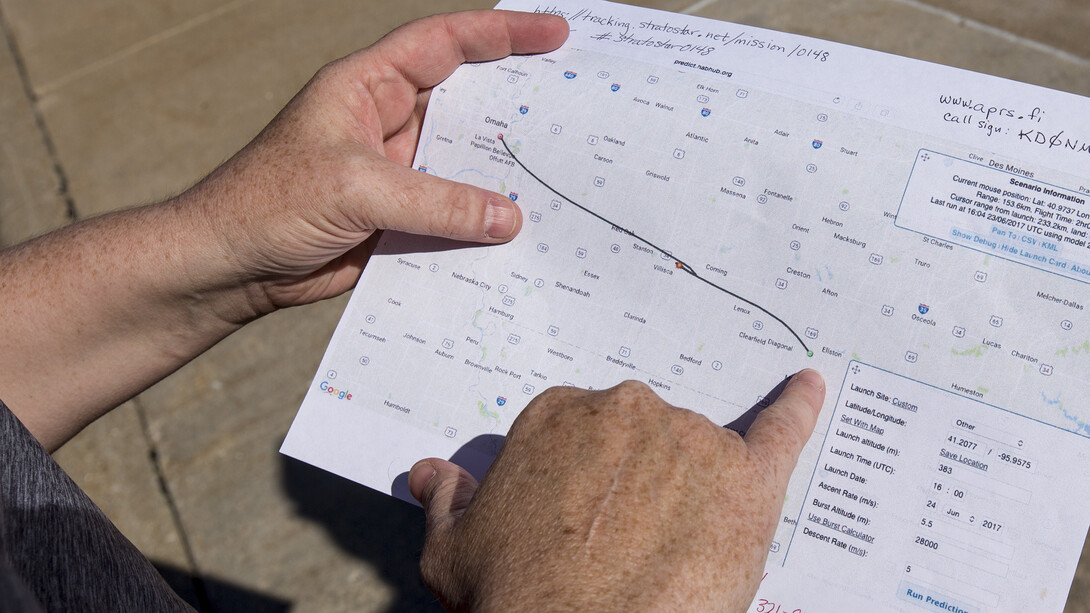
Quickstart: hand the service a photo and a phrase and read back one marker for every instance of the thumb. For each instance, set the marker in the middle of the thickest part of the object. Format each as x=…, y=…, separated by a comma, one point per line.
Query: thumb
x=780, y=431
x=419, y=203
x=444, y=489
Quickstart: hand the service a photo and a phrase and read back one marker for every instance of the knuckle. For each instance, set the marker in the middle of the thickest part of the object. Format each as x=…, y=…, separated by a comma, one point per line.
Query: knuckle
x=633, y=387
x=458, y=214
x=634, y=394
x=639, y=395
x=554, y=392
x=546, y=401
x=329, y=75
x=547, y=405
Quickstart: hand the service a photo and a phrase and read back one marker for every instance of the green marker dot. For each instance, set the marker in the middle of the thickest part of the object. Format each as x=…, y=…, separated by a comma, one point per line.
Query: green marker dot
x=809, y=353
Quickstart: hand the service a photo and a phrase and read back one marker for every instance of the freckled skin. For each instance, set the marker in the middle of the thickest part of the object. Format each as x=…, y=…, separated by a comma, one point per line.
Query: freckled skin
x=607, y=500
x=97, y=312
x=615, y=500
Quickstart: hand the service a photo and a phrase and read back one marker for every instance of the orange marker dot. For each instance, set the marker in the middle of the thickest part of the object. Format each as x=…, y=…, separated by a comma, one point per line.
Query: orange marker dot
x=678, y=264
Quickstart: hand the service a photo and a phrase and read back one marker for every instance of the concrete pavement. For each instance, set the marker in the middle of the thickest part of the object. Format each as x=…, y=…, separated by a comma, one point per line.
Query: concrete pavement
x=112, y=103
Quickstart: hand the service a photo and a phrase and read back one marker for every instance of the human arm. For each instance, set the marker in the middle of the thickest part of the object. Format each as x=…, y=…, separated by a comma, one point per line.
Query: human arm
x=97, y=312
x=614, y=500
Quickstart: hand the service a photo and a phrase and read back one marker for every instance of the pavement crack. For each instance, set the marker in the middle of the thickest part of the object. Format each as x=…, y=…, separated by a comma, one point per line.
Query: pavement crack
x=43, y=130
x=199, y=588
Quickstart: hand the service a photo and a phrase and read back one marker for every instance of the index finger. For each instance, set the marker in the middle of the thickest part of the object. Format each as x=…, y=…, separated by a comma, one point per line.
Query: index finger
x=426, y=51
x=780, y=431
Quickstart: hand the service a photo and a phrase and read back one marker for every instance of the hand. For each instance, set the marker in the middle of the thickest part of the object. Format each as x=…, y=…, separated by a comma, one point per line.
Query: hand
x=615, y=500
x=294, y=207
x=117, y=302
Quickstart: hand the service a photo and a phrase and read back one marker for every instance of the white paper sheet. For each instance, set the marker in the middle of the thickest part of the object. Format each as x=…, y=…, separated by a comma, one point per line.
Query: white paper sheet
x=713, y=202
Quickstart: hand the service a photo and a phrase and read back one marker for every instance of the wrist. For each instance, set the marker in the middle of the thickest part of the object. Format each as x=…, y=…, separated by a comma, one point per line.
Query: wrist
x=212, y=276
x=112, y=305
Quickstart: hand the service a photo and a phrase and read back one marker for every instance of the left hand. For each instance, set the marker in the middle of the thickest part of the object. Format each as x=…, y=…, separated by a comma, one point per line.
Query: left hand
x=294, y=207
x=115, y=303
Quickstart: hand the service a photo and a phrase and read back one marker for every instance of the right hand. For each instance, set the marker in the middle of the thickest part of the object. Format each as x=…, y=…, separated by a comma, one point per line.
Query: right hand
x=615, y=500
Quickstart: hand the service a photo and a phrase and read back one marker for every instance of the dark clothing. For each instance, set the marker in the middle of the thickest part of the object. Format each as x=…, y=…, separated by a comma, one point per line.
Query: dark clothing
x=58, y=551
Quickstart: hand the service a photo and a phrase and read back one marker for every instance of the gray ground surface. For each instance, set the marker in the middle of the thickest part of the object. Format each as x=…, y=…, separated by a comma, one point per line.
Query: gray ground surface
x=112, y=103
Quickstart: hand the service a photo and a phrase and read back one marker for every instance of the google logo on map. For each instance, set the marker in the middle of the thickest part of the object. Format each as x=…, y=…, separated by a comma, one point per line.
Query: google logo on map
x=332, y=391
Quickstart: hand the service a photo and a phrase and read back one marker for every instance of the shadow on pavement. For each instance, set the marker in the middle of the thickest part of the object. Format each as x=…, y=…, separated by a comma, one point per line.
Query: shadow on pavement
x=372, y=526
x=201, y=592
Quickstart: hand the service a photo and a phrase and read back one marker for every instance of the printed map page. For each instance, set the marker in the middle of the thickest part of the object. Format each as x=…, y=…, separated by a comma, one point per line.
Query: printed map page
x=709, y=208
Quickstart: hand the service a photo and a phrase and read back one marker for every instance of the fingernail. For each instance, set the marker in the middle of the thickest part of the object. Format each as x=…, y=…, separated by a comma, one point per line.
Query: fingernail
x=811, y=377
x=419, y=476
x=500, y=218
x=421, y=472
